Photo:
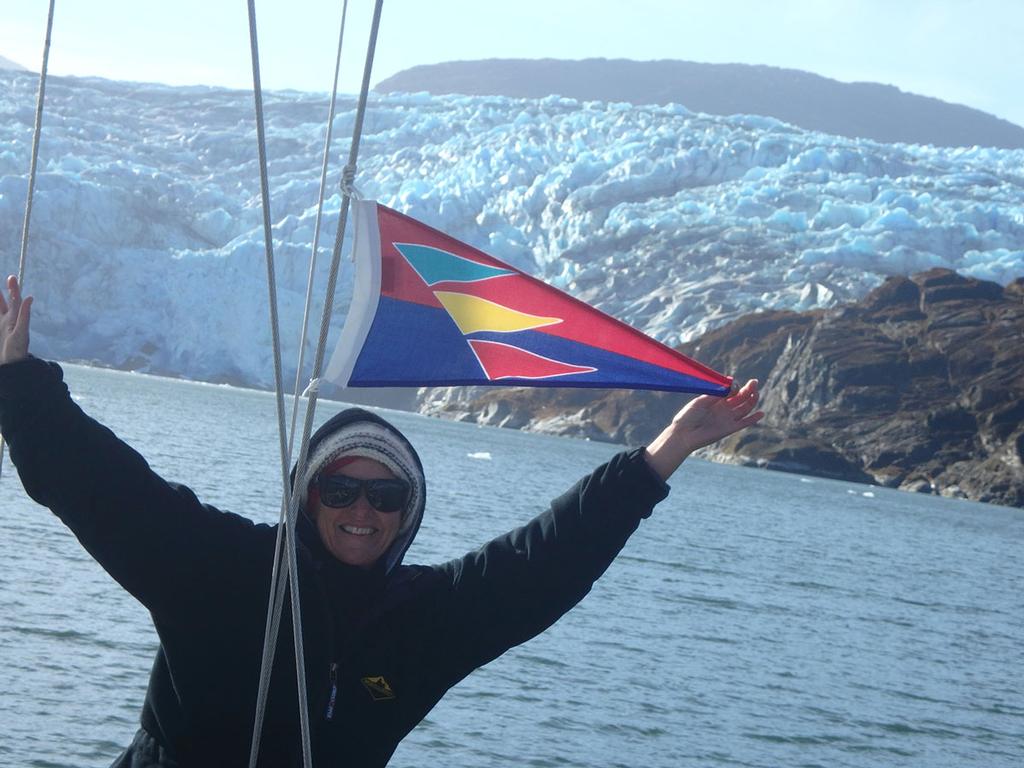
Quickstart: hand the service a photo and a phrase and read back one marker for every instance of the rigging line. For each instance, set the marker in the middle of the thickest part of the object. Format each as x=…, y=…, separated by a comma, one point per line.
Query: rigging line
x=357, y=132
x=316, y=232
x=33, y=163
x=325, y=319
x=37, y=133
x=277, y=580
x=324, y=327
x=278, y=384
x=329, y=299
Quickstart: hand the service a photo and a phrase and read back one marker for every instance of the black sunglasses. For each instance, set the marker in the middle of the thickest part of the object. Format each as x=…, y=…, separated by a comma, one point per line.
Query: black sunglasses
x=388, y=495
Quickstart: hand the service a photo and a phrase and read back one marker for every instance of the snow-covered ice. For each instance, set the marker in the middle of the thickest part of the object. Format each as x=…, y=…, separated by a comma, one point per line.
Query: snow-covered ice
x=147, y=247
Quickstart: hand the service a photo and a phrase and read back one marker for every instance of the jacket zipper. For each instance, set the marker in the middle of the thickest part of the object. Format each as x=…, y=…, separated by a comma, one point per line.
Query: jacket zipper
x=334, y=691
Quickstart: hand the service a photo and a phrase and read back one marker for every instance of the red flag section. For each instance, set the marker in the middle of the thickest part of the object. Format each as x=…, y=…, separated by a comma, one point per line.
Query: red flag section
x=503, y=361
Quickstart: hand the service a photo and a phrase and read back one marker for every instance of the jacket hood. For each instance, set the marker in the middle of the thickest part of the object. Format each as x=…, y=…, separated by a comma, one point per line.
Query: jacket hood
x=357, y=432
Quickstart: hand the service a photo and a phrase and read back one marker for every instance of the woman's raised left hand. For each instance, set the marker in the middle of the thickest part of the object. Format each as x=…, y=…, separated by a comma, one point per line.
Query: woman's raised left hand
x=701, y=422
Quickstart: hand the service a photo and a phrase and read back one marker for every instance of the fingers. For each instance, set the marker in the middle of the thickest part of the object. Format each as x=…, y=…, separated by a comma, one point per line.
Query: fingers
x=751, y=419
x=15, y=291
x=737, y=391
x=3, y=304
x=17, y=313
x=745, y=396
x=24, y=315
x=742, y=405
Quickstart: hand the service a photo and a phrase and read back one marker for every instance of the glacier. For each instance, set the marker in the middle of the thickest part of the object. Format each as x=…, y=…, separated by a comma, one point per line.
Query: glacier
x=147, y=253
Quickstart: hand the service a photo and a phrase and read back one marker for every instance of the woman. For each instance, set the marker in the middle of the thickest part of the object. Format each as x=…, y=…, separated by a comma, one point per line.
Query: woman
x=383, y=641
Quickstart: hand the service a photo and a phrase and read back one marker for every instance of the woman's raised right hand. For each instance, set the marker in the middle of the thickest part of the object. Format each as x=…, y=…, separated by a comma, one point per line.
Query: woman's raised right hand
x=14, y=320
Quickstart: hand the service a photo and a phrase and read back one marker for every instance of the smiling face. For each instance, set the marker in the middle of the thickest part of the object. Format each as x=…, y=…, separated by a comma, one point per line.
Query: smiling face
x=358, y=534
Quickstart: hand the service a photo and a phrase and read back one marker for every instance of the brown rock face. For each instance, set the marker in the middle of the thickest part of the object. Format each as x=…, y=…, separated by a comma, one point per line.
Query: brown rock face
x=918, y=386
x=921, y=384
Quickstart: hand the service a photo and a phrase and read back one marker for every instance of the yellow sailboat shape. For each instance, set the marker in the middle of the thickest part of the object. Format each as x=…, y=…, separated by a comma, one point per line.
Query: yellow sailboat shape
x=472, y=314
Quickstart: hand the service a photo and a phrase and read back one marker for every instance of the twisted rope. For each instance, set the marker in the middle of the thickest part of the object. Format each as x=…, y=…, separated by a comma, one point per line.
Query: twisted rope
x=33, y=163
x=293, y=581
x=291, y=500
x=325, y=320
x=276, y=597
x=316, y=229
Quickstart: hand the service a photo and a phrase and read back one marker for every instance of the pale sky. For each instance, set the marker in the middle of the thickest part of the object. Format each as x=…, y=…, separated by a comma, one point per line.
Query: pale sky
x=964, y=51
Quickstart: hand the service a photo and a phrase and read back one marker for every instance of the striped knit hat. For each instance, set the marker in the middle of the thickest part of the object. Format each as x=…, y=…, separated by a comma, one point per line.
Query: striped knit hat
x=358, y=433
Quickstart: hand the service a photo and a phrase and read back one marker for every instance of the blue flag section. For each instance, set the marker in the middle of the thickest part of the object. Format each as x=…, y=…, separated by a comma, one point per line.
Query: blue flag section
x=428, y=310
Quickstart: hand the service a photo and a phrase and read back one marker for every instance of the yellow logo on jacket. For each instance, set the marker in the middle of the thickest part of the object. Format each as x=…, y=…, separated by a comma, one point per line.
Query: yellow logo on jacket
x=379, y=688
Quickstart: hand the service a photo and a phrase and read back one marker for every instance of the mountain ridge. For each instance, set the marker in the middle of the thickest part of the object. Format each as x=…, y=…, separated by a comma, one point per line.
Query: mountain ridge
x=6, y=63
x=856, y=110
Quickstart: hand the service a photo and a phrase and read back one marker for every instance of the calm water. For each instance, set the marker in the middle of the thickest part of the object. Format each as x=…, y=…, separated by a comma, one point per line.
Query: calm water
x=758, y=619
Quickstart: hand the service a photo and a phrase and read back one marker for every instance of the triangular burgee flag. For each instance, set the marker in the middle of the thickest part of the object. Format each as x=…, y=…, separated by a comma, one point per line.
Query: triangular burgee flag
x=428, y=310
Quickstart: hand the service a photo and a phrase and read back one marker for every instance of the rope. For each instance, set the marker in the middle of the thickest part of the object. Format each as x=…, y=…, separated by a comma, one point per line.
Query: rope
x=36, y=134
x=276, y=599
x=316, y=228
x=348, y=183
x=325, y=318
x=300, y=670
x=278, y=582
x=357, y=133
x=313, y=390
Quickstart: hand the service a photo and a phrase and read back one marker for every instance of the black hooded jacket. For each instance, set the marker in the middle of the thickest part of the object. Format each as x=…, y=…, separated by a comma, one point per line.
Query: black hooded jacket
x=380, y=649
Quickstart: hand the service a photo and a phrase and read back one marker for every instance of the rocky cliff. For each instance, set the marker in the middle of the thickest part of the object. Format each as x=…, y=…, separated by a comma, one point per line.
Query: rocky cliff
x=918, y=386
